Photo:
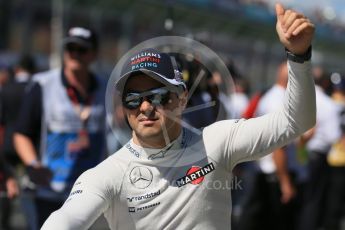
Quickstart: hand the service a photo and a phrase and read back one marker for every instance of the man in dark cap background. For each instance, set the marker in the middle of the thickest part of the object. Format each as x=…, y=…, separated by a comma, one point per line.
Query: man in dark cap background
x=62, y=111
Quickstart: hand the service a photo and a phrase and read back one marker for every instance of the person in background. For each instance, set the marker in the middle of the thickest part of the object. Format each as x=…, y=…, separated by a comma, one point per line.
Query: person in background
x=8, y=184
x=271, y=202
x=11, y=99
x=60, y=131
x=205, y=95
x=318, y=142
x=335, y=199
x=237, y=102
x=4, y=75
x=4, y=78
x=8, y=191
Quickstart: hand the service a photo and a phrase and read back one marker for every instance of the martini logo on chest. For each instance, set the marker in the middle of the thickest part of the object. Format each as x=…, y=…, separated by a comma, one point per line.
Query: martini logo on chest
x=195, y=175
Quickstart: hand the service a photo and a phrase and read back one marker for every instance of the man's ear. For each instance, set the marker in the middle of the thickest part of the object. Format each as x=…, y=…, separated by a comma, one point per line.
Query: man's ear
x=183, y=99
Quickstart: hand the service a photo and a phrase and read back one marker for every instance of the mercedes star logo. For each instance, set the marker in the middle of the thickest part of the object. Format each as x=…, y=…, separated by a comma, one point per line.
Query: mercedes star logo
x=141, y=177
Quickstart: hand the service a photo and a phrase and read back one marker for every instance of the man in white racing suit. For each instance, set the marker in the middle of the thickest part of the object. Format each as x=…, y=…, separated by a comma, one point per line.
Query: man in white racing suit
x=168, y=177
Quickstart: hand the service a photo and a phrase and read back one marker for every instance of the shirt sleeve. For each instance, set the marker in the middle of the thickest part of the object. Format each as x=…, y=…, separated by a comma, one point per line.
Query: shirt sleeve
x=88, y=199
x=93, y=193
x=30, y=114
x=251, y=139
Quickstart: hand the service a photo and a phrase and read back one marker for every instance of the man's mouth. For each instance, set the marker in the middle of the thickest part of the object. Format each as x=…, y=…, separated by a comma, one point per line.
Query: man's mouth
x=148, y=121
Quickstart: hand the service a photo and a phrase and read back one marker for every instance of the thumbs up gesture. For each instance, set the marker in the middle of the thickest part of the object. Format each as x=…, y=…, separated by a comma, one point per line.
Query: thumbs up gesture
x=295, y=31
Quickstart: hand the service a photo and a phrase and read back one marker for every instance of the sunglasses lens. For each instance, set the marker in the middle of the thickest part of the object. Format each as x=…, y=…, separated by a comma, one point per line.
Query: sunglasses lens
x=132, y=100
x=133, y=104
x=156, y=97
x=159, y=96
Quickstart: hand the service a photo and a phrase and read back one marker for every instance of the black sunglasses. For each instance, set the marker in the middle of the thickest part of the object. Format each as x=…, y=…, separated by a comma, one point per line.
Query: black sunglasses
x=75, y=48
x=159, y=96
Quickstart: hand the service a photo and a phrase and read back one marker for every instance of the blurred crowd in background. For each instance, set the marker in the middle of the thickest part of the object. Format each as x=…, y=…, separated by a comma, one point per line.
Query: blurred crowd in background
x=300, y=186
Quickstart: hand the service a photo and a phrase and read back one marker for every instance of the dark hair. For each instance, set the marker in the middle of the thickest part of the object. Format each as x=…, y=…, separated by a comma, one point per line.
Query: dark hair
x=27, y=62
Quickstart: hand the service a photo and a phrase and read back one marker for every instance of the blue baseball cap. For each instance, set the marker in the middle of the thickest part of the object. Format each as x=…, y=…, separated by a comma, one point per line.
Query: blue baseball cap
x=158, y=65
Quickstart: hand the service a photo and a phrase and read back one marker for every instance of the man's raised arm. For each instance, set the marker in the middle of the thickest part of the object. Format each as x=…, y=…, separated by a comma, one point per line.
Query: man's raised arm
x=257, y=137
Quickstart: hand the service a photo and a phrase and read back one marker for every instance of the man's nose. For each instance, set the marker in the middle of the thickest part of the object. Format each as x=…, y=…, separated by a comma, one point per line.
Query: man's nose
x=146, y=107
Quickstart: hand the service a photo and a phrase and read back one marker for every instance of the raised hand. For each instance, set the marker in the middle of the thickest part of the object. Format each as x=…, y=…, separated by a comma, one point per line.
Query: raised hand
x=295, y=31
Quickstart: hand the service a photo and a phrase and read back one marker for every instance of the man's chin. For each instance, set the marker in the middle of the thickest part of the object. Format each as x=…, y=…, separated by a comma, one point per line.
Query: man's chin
x=148, y=133
x=154, y=131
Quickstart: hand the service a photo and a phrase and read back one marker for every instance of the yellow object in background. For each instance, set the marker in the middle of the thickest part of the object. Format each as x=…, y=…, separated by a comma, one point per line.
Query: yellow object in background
x=336, y=156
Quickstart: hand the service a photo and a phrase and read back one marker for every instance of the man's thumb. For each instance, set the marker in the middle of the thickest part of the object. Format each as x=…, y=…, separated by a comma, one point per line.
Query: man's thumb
x=279, y=12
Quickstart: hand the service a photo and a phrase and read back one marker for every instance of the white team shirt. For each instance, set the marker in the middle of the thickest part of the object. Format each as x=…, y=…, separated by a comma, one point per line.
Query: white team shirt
x=187, y=184
x=327, y=129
